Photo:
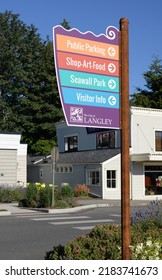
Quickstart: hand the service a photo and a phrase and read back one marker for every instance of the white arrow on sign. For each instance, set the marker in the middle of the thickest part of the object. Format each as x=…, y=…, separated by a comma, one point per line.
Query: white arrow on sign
x=111, y=67
x=111, y=51
x=111, y=84
x=112, y=100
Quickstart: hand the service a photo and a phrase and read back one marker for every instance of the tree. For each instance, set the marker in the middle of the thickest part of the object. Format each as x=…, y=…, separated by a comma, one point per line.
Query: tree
x=65, y=24
x=151, y=97
x=29, y=99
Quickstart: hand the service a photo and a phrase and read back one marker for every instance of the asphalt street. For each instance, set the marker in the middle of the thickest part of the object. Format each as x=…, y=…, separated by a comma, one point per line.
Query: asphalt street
x=28, y=236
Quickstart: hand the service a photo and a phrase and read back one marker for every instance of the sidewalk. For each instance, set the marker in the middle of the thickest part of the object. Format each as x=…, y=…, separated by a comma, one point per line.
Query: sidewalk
x=12, y=208
x=84, y=204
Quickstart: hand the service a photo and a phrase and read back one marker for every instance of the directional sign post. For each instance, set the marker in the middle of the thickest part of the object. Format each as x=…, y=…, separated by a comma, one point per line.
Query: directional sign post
x=125, y=140
x=87, y=68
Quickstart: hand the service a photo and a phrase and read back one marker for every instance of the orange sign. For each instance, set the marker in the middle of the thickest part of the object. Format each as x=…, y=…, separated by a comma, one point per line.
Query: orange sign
x=88, y=64
x=87, y=47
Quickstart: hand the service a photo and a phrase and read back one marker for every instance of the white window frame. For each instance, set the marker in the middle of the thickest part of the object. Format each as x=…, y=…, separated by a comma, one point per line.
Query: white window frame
x=64, y=169
x=88, y=177
x=111, y=179
x=68, y=147
x=41, y=173
x=157, y=130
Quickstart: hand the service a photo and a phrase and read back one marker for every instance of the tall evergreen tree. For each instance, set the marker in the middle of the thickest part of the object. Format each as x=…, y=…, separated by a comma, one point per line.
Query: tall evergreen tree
x=29, y=99
x=151, y=97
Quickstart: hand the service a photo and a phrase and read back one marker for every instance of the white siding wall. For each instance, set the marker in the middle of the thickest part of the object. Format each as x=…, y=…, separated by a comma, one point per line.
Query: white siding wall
x=137, y=181
x=22, y=164
x=21, y=170
x=144, y=122
x=13, y=162
x=8, y=167
x=112, y=164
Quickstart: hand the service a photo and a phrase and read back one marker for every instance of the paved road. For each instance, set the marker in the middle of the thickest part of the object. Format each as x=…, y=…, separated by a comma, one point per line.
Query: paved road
x=29, y=236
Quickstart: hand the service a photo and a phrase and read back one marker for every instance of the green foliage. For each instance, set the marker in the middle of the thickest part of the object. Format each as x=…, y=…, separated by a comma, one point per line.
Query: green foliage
x=65, y=24
x=58, y=253
x=81, y=190
x=150, y=216
x=29, y=99
x=43, y=146
x=45, y=197
x=32, y=195
x=151, y=248
x=9, y=194
x=103, y=242
x=151, y=97
x=60, y=203
x=66, y=191
x=39, y=195
x=65, y=197
x=23, y=202
x=96, y=245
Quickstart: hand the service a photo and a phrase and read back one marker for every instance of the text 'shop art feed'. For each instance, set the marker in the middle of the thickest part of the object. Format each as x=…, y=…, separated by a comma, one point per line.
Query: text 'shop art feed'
x=87, y=69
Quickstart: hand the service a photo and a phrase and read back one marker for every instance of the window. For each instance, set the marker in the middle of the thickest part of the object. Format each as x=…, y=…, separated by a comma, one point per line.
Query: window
x=64, y=169
x=153, y=180
x=111, y=179
x=158, y=141
x=106, y=140
x=71, y=144
x=41, y=173
x=93, y=177
x=70, y=169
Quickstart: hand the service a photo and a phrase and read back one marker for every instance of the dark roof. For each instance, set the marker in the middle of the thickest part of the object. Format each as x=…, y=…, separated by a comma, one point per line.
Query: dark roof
x=94, y=156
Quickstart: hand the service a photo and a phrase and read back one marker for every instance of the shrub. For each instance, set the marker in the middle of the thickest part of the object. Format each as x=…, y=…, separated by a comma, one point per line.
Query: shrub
x=147, y=250
x=150, y=216
x=81, y=190
x=60, y=203
x=56, y=192
x=97, y=245
x=104, y=243
x=38, y=195
x=5, y=194
x=31, y=195
x=45, y=197
x=139, y=239
x=9, y=194
x=71, y=201
x=58, y=253
x=66, y=191
x=23, y=202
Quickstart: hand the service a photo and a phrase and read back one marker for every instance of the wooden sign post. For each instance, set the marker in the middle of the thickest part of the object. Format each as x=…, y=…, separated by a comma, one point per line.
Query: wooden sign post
x=125, y=140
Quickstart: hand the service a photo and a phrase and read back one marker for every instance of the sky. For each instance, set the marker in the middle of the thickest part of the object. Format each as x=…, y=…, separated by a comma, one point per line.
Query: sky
x=145, y=24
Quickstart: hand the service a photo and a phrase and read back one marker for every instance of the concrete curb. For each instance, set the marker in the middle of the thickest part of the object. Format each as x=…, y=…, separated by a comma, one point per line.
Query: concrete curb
x=13, y=209
x=5, y=213
x=71, y=210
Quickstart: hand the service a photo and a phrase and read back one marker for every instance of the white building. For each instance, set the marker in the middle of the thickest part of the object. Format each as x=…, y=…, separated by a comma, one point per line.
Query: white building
x=145, y=157
x=91, y=156
x=13, y=160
